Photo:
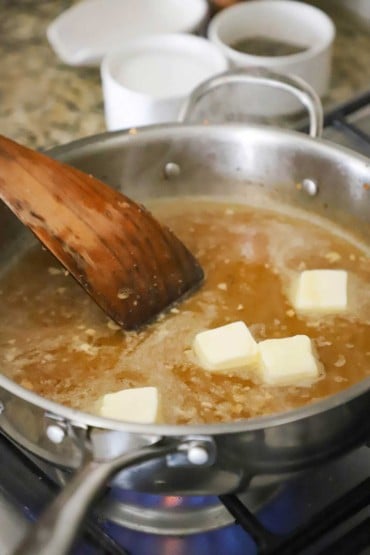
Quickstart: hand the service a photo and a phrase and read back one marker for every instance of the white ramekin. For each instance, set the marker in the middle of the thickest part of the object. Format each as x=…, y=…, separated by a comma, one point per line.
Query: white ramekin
x=88, y=30
x=284, y=20
x=125, y=107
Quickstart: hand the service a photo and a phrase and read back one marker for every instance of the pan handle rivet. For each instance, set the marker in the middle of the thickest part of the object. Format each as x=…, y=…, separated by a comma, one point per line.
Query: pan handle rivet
x=55, y=433
x=171, y=169
x=198, y=455
x=310, y=187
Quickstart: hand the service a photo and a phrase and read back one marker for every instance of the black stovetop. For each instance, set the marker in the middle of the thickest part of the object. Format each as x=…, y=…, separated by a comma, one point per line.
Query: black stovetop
x=324, y=511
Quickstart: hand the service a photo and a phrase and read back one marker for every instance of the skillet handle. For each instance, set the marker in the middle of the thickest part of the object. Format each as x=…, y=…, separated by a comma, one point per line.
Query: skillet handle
x=260, y=76
x=56, y=529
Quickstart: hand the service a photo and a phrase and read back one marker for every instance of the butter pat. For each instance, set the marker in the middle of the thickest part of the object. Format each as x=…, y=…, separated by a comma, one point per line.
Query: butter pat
x=321, y=291
x=139, y=404
x=227, y=347
x=288, y=361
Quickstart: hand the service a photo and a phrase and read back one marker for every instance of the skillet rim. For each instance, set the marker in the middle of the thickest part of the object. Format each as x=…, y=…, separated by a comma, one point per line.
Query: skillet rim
x=77, y=417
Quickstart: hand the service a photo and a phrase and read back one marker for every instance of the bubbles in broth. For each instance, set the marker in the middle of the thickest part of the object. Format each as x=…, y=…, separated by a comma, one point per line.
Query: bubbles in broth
x=55, y=341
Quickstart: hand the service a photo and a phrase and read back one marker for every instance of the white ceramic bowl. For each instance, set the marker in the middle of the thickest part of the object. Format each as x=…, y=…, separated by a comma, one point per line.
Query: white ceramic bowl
x=148, y=79
x=87, y=31
x=287, y=21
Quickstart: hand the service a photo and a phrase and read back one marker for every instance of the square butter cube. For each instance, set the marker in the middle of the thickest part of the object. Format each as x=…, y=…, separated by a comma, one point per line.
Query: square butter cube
x=321, y=291
x=226, y=347
x=139, y=404
x=288, y=361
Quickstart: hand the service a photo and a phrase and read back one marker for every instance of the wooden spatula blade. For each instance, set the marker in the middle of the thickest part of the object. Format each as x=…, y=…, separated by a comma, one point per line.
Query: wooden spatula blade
x=131, y=265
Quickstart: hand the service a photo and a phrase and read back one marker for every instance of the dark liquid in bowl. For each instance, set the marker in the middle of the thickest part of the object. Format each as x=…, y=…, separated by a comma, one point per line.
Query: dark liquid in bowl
x=264, y=46
x=55, y=341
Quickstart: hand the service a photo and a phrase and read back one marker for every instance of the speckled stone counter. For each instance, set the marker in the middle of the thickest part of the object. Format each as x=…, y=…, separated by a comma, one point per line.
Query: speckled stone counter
x=44, y=102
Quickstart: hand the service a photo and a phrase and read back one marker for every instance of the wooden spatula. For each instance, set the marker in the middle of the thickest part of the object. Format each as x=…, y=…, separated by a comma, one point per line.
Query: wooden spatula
x=131, y=265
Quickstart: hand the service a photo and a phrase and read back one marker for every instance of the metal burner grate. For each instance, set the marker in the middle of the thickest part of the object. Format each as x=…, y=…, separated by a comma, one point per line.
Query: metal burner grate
x=338, y=118
x=349, y=124
x=316, y=528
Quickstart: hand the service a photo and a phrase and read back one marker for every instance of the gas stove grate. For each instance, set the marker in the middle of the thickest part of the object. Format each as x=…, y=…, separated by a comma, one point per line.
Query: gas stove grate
x=345, y=124
x=322, y=523
x=338, y=118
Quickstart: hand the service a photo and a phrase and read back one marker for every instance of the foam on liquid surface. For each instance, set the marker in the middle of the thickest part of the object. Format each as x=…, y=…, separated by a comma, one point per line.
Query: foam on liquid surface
x=55, y=341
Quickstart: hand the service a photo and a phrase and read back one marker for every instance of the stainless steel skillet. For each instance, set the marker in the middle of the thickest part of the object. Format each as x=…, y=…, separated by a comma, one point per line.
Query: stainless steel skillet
x=251, y=162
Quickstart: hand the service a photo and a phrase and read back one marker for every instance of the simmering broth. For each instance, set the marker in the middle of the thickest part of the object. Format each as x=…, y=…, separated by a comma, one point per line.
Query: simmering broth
x=55, y=341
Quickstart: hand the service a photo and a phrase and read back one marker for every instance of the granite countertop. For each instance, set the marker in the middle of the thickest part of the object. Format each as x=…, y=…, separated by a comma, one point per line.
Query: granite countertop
x=44, y=102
